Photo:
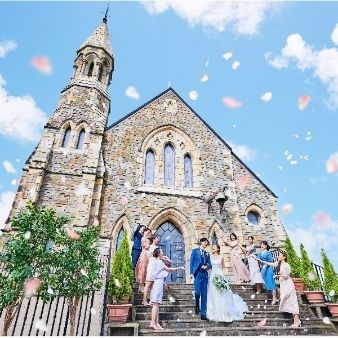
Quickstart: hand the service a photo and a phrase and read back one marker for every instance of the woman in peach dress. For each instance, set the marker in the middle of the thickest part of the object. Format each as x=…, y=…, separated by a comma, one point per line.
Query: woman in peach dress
x=288, y=296
x=240, y=270
x=142, y=263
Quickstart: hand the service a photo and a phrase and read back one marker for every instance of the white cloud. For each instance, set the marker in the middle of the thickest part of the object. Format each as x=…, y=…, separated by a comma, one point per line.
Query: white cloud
x=6, y=200
x=9, y=167
x=7, y=46
x=20, y=117
x=241, y=17
x=244, y=152
x=132, y=92
x=323, y=62
x=334, y=35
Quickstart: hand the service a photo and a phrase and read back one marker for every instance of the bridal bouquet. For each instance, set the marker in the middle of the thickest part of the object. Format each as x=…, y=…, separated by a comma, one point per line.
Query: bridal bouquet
x=222, y=283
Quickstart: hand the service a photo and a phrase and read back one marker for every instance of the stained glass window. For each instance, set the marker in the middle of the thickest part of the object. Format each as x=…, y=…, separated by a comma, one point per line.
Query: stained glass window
x=149, y=167
x=169, y=166
x=214, y=239
x=188, y=177
x=66, y=138
x=80, y=140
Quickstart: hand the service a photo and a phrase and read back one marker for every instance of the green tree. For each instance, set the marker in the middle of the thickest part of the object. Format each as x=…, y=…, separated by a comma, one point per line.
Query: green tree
x=330, y=284
x=308, y=274
x=293, y=259
x=78, y=270
x=27, y=253
x=121, y=275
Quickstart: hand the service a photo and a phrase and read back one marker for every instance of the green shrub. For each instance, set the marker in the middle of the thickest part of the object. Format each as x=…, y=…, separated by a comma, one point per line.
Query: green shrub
x=308, y=274
x=121, y=275
x=293, y=259
x=330, y=285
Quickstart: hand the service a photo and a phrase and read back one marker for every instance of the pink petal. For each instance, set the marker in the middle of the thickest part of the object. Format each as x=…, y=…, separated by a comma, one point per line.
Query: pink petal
x=244, y=181
x=72, y=234
x=303, y=101
x=322, y=219
x=262, y=322
x=32, y=286
x=42, y=64
x=287, y=208
x=332, y=164
x=124, y=201
x=232, y=103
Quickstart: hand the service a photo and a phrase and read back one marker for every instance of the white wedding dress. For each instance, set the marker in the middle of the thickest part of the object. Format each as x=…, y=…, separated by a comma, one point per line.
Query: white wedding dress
x=223, y=306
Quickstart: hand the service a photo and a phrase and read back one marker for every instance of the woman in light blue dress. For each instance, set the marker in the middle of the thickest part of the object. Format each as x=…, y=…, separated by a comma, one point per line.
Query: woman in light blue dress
x=267, y=270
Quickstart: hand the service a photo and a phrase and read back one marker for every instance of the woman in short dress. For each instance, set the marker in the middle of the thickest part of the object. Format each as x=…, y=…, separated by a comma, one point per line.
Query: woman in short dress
x=288, y=296
x=142, y=263
x=255, y=272
x=265, y=257
x=158, y=273
x=240, y=270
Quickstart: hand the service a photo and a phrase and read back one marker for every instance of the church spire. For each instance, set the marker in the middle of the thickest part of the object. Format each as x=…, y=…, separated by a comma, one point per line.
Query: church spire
x=106, y=15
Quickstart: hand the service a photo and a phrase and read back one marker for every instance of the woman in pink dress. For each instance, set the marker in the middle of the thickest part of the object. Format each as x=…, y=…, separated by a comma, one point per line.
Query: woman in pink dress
x=240, y=270
x=255, y=272
x=288, y=296
x=142, y=263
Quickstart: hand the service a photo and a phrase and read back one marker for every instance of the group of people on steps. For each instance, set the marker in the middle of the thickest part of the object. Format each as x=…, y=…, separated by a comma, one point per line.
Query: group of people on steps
x=152, y=267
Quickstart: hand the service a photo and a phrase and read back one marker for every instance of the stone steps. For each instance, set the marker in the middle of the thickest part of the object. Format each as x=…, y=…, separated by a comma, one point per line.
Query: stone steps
x=178, y=318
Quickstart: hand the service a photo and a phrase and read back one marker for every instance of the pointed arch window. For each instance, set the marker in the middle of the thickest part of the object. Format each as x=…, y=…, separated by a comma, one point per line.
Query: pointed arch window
x=149, y=167
x=188, y=174
x=100, y=74
x=119, y=238
x=80, y=140
x=91, y=68
x=169, y=166
x=214, y=239
x=66, y=138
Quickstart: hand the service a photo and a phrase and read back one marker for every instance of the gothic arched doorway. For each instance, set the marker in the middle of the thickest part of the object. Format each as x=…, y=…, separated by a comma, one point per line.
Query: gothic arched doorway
x=172, y=244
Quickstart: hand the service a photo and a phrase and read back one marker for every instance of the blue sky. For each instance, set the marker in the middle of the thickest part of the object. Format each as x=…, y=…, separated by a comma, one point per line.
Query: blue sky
x=288, y=49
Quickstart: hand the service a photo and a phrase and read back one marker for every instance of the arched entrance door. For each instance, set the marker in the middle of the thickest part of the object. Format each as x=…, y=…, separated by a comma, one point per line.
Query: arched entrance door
x=172, y=244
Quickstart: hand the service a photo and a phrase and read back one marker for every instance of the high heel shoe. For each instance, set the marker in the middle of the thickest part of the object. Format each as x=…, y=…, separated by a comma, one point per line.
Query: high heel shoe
x=299, y=324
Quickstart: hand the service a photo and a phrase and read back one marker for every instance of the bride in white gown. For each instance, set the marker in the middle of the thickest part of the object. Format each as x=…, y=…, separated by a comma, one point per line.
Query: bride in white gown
x=222, y=306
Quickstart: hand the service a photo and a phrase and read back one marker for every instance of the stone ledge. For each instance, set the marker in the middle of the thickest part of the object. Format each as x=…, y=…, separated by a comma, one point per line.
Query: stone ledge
x=168, y=191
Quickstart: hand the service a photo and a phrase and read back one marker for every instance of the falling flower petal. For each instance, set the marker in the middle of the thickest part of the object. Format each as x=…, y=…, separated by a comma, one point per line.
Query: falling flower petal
x=308, y=138
x=27, y=235
x=232, y=103
x=332, y=293
x=117, y=283
x=204, y=78
x=127, y=185
x=322, y=219
x=280, y=167
x=293, y=162
x=303, y=102
x=72, y=234
x=326, y=321
x=123, y=201
x=287, y=208
x=307, y=319
x=235, y=65
x=41, y=325
x=42, y=64
x=264, y=307
x=311, y=276
x=227, y=55
x=258, y=306
x=132, y=92
x=262, y=322
x=252, y=296
x=211, y=173
x=206, y=63
x=233, y=126
x=244, y=181
x=295, y=135
x=32, y=286
x=265, y=301
x=84, y=272
x=193, y=95
x=203, y=333
x=266, y=97
x=50, y=291
x=171, y=299
x=92, y=311
x=332, y=163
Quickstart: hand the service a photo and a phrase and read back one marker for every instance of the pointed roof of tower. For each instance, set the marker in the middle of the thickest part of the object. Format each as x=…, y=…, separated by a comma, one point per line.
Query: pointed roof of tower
x=100, y=38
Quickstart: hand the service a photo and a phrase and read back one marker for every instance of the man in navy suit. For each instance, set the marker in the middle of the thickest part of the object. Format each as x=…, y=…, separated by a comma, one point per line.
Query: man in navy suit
x=136, y=249
x=199, y=266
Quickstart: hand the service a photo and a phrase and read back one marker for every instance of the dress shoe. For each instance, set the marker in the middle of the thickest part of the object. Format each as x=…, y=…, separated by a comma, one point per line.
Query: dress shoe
x=197, y=311
x=204, y=318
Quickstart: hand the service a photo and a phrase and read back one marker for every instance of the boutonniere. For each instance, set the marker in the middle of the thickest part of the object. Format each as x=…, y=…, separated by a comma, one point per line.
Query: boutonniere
x=207, y=253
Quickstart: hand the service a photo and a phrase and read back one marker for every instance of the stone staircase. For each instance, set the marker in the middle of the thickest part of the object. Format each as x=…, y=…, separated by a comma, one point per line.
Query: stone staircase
x=178, y=318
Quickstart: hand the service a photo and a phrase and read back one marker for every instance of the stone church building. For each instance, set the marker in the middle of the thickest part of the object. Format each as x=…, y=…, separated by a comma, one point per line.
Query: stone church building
x=161, y=165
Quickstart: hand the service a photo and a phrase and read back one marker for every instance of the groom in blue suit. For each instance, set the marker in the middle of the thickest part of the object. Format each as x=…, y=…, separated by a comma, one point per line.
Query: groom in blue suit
x=199, y=266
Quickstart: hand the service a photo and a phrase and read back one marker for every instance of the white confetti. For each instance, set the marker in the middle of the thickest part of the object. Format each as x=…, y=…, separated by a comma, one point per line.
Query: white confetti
x=171, y=299
x=252, y=296
x=266, y=97
x=264, y=307
x=27, y=235
x=193, y=95
x=203, y=333
x=295, y=135
x=207, y=63
x=204, y=78
x=293, y=162
x=92, y=312
x=127, y=185
x=41, y=325
x=308, y=133
x=311, y=276
x=227, y=55
x=50, y=291
x=84, y=272
x=332, y=293
x=326, y=321
x=117, y=283
x=265, y=301
x=258, y=306
x=308, y=138
x=307, y=319
x=235, y=65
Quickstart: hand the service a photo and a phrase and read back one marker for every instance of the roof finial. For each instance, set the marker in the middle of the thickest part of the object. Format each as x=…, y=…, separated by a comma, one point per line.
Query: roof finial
x=106, y=15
